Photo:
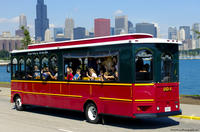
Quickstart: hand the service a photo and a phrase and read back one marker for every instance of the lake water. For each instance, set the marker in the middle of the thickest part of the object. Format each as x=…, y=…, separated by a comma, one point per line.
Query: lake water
x=189, y=76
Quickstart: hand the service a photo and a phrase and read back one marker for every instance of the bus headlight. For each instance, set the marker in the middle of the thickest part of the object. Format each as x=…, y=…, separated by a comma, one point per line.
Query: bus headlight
x=158, y=108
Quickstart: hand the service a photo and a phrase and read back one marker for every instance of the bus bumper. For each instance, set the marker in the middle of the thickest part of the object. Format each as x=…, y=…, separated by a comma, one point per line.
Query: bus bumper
x=153, y=115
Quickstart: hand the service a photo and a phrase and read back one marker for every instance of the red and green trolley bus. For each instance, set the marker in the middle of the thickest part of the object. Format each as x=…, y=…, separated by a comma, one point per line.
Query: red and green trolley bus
x=132, y=75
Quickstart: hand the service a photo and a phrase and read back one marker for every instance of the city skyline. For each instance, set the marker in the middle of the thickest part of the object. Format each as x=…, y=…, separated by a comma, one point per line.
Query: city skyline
x=166, y=13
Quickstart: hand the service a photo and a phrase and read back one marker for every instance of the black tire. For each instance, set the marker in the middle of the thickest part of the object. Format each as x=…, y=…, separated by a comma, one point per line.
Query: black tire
x=91, y=113
x=18, y=104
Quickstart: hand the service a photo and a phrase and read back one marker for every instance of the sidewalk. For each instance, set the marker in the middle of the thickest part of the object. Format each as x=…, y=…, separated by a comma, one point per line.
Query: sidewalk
x=4, y=91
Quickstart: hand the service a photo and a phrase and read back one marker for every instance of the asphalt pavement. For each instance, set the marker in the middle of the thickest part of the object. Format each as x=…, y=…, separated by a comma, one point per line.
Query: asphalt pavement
x=36, y=119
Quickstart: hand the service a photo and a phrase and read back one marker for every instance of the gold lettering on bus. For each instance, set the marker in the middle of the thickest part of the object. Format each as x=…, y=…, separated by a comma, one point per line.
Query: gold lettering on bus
x=167, y=89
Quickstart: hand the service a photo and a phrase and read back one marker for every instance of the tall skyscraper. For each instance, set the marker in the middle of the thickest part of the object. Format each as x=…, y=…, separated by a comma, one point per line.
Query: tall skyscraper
x=22, y=21
x=57, y=31
x=187, y=31
x=172, y=33
x=130, y=27
x=181, y=34
x=146, y=28
x=79, y=33
x=196, y=27
x=101, y=27
x=69, y=28
x=121, y=25
x=41, y=21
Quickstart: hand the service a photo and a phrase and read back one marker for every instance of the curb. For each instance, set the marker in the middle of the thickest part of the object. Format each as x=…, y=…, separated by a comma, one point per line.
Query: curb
x=187, y=117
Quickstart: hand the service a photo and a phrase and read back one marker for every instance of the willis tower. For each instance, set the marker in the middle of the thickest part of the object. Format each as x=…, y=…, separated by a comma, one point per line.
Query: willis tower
x=41, y=21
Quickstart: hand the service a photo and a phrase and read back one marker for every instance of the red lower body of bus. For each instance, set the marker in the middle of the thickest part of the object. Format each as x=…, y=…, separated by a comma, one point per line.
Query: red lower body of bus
x=130, y=100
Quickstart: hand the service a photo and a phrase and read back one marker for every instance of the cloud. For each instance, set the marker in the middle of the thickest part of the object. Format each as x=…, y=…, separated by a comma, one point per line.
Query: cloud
x=118, y=12
x=10, y=20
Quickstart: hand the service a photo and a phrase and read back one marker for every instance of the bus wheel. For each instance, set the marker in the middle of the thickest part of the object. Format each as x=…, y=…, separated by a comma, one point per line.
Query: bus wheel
x=91, y=113
x=18, y=104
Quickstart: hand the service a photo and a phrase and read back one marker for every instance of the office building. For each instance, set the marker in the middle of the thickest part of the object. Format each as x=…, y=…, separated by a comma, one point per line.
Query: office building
x=79, y=33
x=101, y=27
x=187, y=31
x=22, y=21
x=172, y=33
x=181, y=34
x=112, y=31
x=130, y=27
x=41, y=21
x=146, y=28
x=121, y=25
x=195, y=36
x=9, y=43
x=47, y=35
x=57, y=31
x=69, y=28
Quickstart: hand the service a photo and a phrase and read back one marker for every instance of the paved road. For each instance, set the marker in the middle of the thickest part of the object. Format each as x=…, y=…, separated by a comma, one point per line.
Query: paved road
x=36, y=119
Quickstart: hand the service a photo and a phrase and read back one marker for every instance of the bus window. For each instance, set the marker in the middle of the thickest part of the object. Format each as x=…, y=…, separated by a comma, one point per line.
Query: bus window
x=14, y=68
x=28, y=69
x=144, y=67
x=166, y=68
x=91, y=68
x=21, y=69
x=45, y=69
x=36, y=70
x=53, y=68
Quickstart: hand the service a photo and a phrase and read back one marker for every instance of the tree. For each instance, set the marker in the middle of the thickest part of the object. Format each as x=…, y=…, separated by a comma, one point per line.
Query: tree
x=4, y=54
x=27, y=39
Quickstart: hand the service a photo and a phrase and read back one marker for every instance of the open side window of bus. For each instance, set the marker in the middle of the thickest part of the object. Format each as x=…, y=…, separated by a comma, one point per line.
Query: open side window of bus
x=96, y=66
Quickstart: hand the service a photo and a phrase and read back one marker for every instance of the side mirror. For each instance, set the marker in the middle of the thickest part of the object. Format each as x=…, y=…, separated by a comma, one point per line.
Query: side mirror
x=8, y=67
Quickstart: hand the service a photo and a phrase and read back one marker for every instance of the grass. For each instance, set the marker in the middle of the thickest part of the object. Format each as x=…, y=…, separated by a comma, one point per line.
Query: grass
x=4, y=82
x=191, y=95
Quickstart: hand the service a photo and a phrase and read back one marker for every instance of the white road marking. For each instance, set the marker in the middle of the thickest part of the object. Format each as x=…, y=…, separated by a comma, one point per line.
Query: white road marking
x=63, y=130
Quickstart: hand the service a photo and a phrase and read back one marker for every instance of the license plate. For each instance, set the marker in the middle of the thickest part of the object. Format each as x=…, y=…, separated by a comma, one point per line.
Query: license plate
x=167, y=109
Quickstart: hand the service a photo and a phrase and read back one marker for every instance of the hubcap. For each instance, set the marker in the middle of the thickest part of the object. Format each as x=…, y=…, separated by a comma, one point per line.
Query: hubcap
x=92, y=113
x=18, y=102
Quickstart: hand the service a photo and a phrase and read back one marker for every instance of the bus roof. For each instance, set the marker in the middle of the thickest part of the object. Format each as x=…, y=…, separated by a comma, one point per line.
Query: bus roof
x=99, y=41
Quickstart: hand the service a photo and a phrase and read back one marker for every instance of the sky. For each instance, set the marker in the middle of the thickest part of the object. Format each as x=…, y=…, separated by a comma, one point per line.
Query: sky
x=164, y=12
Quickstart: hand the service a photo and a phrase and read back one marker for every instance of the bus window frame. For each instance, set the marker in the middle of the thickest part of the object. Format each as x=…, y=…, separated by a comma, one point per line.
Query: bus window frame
x=137, y=50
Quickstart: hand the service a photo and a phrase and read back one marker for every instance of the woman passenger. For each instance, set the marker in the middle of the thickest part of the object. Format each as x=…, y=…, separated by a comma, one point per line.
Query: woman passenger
x=92, y=74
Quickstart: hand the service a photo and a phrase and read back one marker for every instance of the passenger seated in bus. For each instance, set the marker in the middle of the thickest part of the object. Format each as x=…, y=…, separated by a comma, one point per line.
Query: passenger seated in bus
x=101, y=75
x=45, y=73
x=145, y=68
x=69, y=75
x=110, y=75
x=54, y=75
x=77, y=76
x=36, y=74
x=139, y=64
x=92, y=74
